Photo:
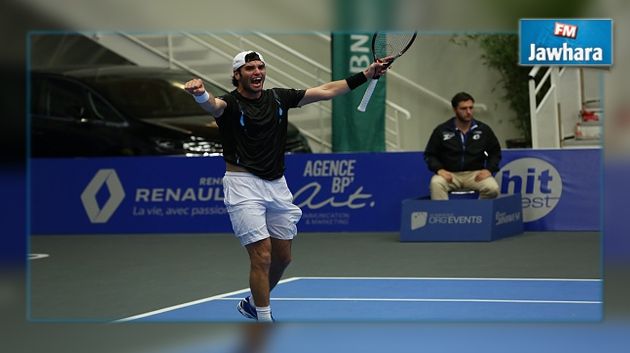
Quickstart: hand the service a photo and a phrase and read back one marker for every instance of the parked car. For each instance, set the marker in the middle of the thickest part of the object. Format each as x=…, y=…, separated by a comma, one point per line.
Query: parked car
x=124, y=111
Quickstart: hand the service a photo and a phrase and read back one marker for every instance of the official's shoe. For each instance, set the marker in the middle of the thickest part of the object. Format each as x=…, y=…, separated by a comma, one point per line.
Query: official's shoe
x=246, y=309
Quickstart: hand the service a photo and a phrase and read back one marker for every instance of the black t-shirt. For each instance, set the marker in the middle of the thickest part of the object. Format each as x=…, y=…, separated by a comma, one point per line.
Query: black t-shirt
x=254, y=132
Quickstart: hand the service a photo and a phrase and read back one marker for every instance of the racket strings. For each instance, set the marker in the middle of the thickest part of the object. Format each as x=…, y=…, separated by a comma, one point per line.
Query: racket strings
x=391, y=44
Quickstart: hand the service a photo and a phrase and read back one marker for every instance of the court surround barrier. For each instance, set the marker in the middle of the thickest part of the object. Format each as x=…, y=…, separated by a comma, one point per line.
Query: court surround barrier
x=345, y=192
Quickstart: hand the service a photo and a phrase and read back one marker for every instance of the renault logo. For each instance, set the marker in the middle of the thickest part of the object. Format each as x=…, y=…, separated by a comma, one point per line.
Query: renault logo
x=109, y=179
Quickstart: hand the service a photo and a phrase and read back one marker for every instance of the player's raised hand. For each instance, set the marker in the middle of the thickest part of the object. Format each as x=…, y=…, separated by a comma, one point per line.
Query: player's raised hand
x=379, y=67
x=195, y=87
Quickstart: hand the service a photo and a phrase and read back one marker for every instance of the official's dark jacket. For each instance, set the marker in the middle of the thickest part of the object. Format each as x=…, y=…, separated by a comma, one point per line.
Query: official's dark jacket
x=480, y=149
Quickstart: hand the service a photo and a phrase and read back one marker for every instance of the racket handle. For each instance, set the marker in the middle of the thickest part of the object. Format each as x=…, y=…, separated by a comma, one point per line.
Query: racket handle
x=367, y=95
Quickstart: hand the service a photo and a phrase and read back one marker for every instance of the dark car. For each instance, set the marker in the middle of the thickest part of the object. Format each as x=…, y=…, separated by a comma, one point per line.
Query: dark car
x=124, y=111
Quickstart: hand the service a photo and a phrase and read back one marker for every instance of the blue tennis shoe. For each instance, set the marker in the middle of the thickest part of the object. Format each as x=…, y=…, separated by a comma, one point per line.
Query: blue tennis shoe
x=246, y=309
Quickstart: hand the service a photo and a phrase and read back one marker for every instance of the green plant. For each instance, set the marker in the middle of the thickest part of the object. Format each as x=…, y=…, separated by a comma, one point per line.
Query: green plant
x=500, y=52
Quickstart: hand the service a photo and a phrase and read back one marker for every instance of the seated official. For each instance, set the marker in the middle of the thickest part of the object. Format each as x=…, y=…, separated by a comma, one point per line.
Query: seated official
x=463, y=153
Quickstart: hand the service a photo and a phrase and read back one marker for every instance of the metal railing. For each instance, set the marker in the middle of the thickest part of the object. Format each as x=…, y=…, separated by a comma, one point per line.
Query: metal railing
x=544, y=106
x=170, y=58
x=283, y=76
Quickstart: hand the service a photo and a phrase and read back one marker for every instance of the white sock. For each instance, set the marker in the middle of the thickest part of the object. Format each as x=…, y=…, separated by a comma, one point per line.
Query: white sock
x=264, y=314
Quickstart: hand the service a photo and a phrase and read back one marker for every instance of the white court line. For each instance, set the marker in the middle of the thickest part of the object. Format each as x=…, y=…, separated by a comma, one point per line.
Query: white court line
x=195, y=302
x=533, y=301
x=291, y=279
x=462, y=279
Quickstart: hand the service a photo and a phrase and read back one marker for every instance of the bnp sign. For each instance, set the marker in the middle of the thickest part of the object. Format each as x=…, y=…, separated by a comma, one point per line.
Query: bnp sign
x=581, y=42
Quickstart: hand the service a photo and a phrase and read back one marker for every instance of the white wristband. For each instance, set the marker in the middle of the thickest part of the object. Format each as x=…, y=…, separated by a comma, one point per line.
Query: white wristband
x=202, y=98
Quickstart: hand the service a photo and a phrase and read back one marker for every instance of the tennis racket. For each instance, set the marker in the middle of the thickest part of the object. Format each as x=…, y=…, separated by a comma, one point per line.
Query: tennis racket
x=386, y=44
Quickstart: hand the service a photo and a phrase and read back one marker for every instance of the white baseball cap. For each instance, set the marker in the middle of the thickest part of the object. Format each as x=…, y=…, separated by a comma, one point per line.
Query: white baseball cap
x=239, y=59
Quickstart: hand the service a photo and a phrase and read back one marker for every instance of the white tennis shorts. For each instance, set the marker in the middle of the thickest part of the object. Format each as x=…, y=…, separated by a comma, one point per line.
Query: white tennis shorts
x=259, y=208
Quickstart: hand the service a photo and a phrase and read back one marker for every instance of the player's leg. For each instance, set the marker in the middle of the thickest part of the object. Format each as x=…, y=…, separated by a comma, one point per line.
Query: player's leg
x=258, y=245
x=282, y=219
x=280, y=260
x=260, y=263
x=246, y=207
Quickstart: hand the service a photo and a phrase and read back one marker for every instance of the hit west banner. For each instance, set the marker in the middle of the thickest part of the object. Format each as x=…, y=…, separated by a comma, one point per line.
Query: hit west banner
x=353, y=130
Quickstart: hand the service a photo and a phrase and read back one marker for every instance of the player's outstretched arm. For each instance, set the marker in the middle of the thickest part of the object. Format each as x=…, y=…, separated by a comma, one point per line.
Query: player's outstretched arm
x=335, y=88
x=205, y=99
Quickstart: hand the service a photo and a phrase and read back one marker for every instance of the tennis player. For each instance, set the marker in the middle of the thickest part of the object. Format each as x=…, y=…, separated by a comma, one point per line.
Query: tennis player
x=253, y=126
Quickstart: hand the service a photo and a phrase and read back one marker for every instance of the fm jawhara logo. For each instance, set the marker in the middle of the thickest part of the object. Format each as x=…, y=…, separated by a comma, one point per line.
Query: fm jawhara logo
x=579, y=42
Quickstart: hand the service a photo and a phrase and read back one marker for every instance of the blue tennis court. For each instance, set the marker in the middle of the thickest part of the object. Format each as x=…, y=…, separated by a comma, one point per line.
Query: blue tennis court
x=302, y=299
